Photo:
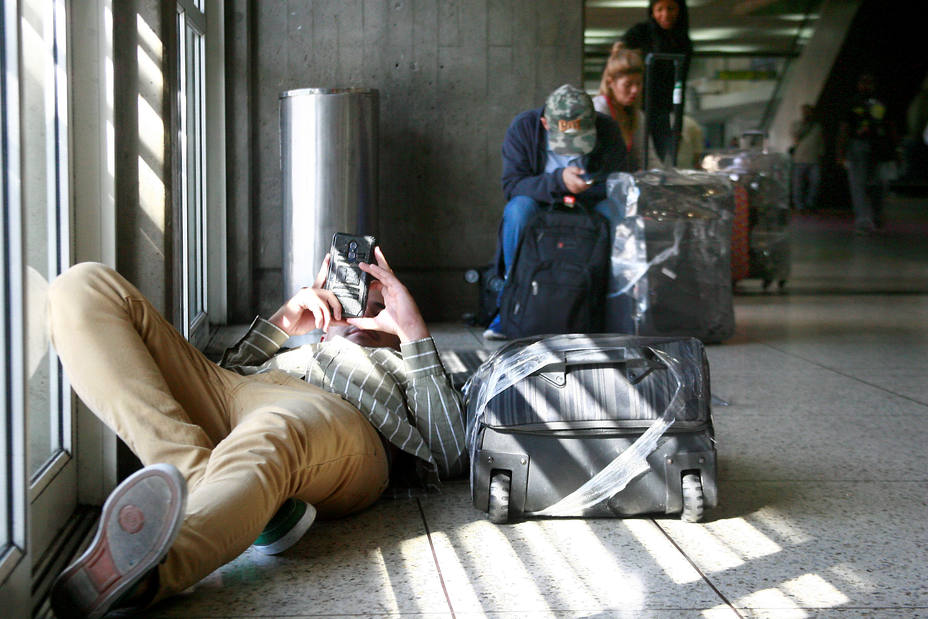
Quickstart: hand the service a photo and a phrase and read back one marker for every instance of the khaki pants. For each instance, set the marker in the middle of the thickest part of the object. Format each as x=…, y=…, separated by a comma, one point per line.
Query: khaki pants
x=244, y=444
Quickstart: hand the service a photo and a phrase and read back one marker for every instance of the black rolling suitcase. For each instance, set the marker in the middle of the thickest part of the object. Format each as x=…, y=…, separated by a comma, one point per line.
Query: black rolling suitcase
x=670, y=270
x=592, y=425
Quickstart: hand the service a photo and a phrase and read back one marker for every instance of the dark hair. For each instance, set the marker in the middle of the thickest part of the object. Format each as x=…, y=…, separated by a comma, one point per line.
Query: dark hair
x=681, y=28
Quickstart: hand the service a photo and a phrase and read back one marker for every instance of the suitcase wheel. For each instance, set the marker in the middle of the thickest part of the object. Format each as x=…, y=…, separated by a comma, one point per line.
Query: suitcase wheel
x=692, y=497
x=498, y=511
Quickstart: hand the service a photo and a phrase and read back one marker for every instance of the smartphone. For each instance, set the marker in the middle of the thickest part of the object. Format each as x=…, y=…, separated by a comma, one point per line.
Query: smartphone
x=345, y=278
x=588, y=178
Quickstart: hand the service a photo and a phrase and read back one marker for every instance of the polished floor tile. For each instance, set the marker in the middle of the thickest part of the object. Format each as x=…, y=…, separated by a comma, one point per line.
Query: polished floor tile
x=809, y=546
x=567, y=566
x=376, y=563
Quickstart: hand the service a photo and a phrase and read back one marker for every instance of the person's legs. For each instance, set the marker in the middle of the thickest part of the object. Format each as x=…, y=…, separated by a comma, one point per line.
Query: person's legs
x=875, y=191
x=814, y=179
x=800, y=186
x=136, y=372
x=516, y=215
x=289, y=440
x=857, y=164
x=243, y=444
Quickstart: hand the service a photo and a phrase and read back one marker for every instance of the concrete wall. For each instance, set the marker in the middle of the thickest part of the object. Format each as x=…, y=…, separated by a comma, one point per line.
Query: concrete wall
x=144, y=78
x=451, y=76
x=142, y=117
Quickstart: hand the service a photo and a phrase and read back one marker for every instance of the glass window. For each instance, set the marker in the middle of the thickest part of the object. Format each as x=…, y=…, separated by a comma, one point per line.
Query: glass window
x=5, y=306
x=45, y=199
x=191, y=140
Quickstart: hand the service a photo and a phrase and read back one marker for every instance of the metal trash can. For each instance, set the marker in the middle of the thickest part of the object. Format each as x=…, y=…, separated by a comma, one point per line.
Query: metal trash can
x=328, y=158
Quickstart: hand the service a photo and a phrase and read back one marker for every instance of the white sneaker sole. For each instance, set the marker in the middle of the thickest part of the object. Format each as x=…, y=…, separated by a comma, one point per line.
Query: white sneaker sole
x=138, y=524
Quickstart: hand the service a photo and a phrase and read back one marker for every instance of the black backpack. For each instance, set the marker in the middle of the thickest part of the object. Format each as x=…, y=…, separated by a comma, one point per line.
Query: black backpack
x=557, y=281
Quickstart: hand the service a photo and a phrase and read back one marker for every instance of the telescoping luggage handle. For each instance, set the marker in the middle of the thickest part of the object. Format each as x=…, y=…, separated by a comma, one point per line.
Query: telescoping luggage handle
x=679, y=62
x=627, y=465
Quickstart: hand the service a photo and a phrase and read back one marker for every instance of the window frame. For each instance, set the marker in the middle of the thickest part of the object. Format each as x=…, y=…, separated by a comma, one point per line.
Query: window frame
x=192, y=216
x=13, y=544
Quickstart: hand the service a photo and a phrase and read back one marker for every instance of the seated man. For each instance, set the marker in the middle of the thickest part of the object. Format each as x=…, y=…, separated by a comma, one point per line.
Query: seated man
x=563, y=148
x=324, y=423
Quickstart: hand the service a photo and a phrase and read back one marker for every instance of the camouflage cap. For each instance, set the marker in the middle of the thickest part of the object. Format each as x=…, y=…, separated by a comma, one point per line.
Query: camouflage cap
x=571, y=121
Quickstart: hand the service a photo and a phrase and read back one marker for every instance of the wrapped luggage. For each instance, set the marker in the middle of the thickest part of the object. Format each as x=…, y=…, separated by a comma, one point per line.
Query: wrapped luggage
x=671, y=273
x=592, y=425
x=763, y=179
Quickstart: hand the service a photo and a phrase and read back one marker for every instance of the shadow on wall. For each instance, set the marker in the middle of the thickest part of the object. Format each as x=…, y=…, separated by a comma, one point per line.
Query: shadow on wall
x=426, y=237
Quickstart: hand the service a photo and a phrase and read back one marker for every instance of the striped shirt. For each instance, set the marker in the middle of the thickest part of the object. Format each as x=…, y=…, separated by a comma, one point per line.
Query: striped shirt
x=406, y=395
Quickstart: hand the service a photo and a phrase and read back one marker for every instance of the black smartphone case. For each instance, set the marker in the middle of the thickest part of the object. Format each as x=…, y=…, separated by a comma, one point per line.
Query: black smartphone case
x=345, y=277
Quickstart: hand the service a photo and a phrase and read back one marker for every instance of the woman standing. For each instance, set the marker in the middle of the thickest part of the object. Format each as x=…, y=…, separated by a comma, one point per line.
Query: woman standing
x=619, y=95
x=666, y=31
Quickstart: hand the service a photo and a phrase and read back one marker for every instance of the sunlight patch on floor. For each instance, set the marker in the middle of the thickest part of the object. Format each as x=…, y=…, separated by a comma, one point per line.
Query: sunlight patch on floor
x=811, y=590
x=657, y=545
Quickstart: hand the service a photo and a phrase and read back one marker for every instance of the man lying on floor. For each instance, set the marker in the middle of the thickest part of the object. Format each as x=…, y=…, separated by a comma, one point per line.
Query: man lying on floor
x=320, y=428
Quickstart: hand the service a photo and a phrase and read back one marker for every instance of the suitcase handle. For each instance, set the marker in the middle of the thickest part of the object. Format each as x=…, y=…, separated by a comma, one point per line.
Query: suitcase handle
x=648, y=359
x=536, y=357
x=679, y=66
x=556, y=374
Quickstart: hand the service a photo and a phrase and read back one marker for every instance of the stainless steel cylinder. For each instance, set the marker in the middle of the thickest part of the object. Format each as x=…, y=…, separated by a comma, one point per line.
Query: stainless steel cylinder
x=328, y=158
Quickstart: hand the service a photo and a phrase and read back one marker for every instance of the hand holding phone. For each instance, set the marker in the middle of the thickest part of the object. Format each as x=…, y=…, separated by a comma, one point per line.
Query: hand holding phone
x=345, y=278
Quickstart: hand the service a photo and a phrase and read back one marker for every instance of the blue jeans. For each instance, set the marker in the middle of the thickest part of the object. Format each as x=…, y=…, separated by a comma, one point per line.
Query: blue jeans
x=516, y=215
x=863, y=173
x=805, y=185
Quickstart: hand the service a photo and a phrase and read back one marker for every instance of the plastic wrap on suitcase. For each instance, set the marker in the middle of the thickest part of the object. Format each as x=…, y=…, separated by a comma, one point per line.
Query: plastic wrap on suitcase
x=594, y=425
x=771, y=164
x=671, y=257
x=764, y=177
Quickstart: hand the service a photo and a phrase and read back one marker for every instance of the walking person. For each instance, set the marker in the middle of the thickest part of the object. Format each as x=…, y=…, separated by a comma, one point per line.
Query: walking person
x=865, y=140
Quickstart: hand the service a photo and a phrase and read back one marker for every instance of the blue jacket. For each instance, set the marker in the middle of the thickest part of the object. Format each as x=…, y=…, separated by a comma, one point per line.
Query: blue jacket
x=525, y=152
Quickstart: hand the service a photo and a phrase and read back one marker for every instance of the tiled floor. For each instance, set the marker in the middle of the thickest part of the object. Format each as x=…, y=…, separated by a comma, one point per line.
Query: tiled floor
x=823, y=482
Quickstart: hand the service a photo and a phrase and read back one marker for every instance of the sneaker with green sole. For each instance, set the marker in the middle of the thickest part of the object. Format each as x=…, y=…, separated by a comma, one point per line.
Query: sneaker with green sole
x=286, y=528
